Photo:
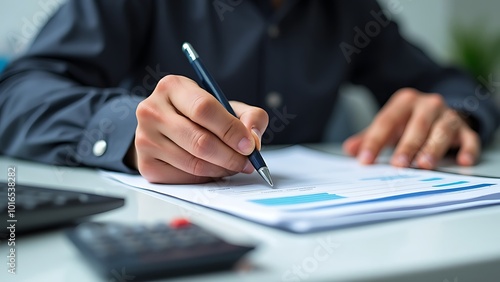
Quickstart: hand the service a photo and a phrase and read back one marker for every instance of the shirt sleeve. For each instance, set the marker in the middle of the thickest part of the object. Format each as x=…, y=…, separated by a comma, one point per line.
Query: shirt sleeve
x=61, y=102
x=382, y=60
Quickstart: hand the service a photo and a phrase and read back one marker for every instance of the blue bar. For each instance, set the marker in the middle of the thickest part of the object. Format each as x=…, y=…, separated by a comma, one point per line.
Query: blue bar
x=391, y=177
x=293, y=200
x=450, y=184
x=427, y=193
x=432, y=179
x=403, y=196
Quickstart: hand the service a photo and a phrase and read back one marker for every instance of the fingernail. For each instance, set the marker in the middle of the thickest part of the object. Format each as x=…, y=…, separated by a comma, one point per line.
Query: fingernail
x=427, y=159
x=248, y=167
x=245, y=146
x=365, y=157
x=402, y=160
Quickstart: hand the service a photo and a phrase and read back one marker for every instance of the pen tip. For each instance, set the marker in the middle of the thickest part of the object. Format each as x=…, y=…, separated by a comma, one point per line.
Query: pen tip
x=266, y=175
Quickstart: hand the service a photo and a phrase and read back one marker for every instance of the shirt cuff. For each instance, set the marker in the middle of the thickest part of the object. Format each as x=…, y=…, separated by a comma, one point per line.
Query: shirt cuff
x=109, y=134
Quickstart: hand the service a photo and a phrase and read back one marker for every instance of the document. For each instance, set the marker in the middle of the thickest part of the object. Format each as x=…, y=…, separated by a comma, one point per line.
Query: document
x=316, y=191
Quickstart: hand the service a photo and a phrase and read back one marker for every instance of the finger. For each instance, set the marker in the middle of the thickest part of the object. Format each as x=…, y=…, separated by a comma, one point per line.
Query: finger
x=160, y=147
x=157, y=171
x=352, y=144
x=202, y=143
x=202, y=108
x=397, y=111
x=470, y=147
x=254, y=118
x=427, y=110
x=442, y=134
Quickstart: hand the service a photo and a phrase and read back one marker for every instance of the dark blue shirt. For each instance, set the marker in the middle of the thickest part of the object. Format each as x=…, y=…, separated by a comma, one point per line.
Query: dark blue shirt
x=81, y=80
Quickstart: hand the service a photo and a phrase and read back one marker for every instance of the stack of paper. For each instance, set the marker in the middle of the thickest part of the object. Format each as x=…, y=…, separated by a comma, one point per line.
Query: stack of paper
x=316, y=190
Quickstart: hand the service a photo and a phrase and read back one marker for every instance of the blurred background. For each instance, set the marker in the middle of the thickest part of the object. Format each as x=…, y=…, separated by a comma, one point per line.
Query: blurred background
x=460, y=32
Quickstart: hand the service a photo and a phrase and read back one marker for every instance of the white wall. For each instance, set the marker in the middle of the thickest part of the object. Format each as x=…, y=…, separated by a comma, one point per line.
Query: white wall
x=425, y=23
x=428, y=22
x=484, y=13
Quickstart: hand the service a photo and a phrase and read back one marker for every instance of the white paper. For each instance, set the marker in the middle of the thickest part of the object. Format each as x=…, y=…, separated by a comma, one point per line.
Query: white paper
x=316, y=190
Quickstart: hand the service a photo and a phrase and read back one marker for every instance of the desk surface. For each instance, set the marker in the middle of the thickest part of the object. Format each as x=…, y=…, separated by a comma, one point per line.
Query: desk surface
x=457, y=246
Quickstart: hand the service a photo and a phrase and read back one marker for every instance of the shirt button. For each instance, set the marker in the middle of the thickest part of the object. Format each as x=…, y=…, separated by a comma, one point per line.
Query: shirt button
x=273, y=99
x=273, y=31
x=99, y=148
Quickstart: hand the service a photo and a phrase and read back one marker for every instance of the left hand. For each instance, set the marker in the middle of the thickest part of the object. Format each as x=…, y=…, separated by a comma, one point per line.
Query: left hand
x=422, y=127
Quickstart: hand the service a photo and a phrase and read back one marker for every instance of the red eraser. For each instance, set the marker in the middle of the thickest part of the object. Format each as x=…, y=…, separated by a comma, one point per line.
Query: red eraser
x=179, y=223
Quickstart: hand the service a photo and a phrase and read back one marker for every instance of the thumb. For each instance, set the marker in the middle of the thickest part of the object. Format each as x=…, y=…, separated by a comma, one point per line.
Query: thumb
x=257, y=135
x=255, y=119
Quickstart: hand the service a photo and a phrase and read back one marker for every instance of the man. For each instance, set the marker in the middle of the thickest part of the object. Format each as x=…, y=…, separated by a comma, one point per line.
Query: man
x=105, y=84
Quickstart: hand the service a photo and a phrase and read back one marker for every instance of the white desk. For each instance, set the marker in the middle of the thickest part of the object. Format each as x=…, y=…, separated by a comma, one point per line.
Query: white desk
x=456, y=247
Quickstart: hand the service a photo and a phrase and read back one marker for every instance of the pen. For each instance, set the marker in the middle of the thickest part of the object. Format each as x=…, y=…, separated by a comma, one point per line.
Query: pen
x=213, y=88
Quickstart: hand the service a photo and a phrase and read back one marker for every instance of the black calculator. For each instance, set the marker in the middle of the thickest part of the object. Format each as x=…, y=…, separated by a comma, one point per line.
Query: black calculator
x=34, y=208
x=155, y=250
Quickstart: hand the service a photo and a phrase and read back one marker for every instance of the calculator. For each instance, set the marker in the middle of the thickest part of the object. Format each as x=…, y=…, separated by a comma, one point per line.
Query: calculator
x=146, y=251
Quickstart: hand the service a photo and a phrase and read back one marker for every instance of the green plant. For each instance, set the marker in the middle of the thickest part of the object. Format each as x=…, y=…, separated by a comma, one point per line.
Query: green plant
x=476, y=50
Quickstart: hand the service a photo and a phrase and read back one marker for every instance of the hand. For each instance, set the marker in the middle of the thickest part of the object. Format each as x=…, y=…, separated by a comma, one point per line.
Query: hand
x=423, y=129
x=184, y=135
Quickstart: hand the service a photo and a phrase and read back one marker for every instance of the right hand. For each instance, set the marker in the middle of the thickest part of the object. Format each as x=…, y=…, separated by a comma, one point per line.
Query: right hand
x=184, y=135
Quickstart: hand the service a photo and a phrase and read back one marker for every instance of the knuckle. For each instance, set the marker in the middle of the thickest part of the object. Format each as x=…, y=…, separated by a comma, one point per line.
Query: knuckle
x=196, y=167
x=407, y=93
x=231, y=130
x=203, y=107
x=203, y=146
x=147, y=111
x=147, y=169
x=199, y=168
x=436, y=101
x=142, y=109
x=168, y=82
x=142, y=141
